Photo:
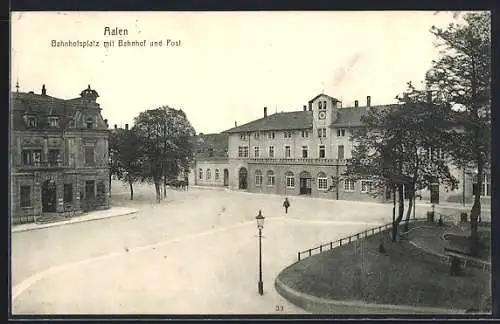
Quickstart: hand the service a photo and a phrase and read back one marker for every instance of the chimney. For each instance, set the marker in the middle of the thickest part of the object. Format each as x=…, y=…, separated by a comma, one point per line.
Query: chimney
x=44, y=91
x=405, y=97
x=116, y=126
x=235, y=124
x=265, y=112
x=356, y=103
x=429, y=96
x=126, y=126
x=310, y=107
x=106, y=122
x=305, y=108
x=368, y=101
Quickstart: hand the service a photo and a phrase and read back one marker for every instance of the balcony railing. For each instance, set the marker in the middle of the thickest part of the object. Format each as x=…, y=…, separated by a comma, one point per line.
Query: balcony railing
x=43, y=165
x=311, y=161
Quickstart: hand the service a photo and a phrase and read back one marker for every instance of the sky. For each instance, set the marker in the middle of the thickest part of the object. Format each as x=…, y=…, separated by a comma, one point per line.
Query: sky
x=229, y=65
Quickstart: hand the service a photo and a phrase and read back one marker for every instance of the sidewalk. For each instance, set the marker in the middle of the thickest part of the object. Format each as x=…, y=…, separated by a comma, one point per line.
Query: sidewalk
x=95, y=215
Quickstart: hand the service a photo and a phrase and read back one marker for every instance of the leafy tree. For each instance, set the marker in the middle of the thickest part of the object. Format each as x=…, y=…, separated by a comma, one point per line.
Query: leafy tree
x=113, y=150
x=397, y=149
x=166, y=134
x=461, y=78
x=131, y=163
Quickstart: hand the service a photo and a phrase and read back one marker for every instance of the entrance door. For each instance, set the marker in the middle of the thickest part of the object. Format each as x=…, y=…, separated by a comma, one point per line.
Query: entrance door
x=226, y=177
x=49, y=196
x=243, y=175
x=305, y=183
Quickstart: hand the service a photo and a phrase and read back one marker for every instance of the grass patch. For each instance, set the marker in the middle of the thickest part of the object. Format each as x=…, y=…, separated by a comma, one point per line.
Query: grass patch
x=404, y=275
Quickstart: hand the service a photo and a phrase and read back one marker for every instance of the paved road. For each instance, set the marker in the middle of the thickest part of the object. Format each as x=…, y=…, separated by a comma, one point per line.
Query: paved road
x=194, y=253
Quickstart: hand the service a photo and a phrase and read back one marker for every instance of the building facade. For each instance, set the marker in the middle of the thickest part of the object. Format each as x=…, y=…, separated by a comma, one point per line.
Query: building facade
x=211, y=161
x=58, y=155
x=304, y=153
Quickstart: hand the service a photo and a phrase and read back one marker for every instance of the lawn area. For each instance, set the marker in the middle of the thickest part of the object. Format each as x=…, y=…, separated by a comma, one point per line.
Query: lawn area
x=404, y=275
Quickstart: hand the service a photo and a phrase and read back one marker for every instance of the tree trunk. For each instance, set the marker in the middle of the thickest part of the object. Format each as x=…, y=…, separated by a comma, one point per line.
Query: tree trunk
x=110, y=175
x=130, y=183
x=157, y=190
x=476, y=209
x=165, y=186
x=401, y=209
x=411, y=198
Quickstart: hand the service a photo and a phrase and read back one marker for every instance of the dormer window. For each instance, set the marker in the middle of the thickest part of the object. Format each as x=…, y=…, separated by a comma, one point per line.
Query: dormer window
x=322, y=105
x=30, y=121
x=53, y=121
x=90, y=123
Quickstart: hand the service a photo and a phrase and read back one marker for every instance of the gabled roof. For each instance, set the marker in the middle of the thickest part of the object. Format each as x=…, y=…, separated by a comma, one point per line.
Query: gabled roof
x=215, y=143
x=278, y=121
x=43, y=106
x=322, y=94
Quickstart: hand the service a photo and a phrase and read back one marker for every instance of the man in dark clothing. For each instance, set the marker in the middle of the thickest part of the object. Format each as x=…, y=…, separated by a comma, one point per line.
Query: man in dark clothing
x=286, y=204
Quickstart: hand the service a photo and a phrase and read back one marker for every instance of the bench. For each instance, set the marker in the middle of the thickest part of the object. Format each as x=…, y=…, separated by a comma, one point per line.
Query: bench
x=466, y=258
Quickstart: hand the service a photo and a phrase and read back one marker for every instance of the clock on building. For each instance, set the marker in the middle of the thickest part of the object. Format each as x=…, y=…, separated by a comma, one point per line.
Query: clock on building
x=322, y=115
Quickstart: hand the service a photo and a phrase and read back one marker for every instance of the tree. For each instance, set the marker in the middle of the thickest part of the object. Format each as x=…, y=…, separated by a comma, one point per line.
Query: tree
x=131, y=163
x=166, y=134
x=114, y=169
x=462, y=79
x=397, y=150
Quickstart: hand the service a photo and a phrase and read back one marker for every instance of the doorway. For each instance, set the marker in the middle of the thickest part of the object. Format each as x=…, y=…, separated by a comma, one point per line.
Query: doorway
x=49, y=196
x=305, y=183
x=243, y=178
x=226, y=177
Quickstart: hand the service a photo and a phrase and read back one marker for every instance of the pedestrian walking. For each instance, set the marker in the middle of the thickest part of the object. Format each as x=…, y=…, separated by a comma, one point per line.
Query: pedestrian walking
x=286, y=204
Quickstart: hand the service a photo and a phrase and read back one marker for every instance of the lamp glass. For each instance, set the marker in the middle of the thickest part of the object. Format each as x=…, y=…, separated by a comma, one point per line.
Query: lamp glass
x=260, y=220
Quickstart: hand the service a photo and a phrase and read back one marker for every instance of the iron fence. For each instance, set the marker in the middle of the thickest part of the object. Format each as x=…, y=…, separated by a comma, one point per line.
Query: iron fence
x=351, y=238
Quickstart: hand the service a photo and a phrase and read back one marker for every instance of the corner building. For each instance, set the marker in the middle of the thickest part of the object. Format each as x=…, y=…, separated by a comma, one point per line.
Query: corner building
x=58, y=155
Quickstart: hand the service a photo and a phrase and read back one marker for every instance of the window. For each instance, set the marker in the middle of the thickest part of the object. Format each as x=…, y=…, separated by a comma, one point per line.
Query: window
x=243, y=136
x=256, y=135
x=340, y=152
x=287, y=151
x=101, y=188
x=210, y=152
x=90, y=123
x=217, y=174
x=30, y=121
x=288, y=134
x=258, y=178
x=304, y=152
x=322, y=152
x=25, y=196
x=209, y=174
x=68, y=192
x=270, y=178
x=305, y=134
x=89, y=154
x=320, y=105
x=200, y=174
x=256, y=152
x=348, y=185
x=53, y=121
x=324, y=105
x=54, y=157
x=243, y=151
x=486, y=186
x=322, y=181
x=89, y=189
x=340, y=132
x=37, y=157
x=271, y=151
x=321, y=132
x=290, y=180
x=270, y=135
x=366, y=186
x=27, y=157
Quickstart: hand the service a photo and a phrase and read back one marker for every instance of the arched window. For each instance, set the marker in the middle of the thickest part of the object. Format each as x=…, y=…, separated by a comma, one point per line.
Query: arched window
x=200, y=174
x=320, y=105
x=322, y=181
x=290, y=179
x=270, y=178
x=324, y=104
x=209, y=175
x=258, y=178
x=217, y=174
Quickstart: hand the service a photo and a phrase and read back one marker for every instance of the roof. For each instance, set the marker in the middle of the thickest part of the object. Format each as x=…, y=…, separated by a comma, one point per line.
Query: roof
x=43, y=106
x=278, y=121
x=211, y=146
x=351, y=116
x=325, y=95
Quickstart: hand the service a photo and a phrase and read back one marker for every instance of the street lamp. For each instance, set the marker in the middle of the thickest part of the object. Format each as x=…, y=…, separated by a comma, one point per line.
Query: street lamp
x=260, y=226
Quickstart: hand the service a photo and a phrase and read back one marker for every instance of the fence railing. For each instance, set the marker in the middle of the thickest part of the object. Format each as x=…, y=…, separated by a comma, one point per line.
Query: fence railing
x=351, y=238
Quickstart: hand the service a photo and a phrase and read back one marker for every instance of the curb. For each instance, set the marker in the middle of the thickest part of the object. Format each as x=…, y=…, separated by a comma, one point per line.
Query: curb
x=319, y=305
x=68, y=222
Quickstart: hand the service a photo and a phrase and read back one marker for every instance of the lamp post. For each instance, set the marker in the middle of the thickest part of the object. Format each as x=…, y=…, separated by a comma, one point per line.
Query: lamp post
x=260, y=226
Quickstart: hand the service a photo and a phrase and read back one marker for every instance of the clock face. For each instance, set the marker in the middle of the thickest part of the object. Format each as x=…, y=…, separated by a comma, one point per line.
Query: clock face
x=322, y=115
